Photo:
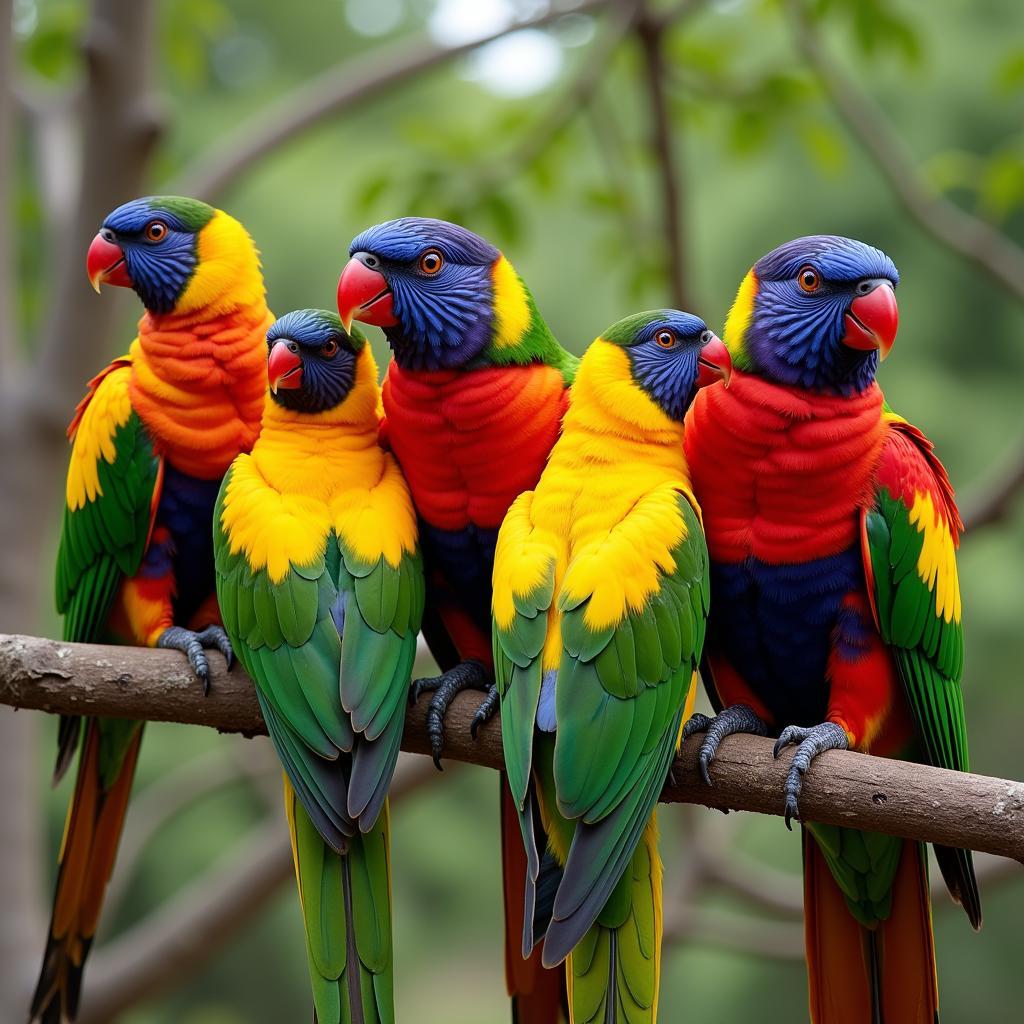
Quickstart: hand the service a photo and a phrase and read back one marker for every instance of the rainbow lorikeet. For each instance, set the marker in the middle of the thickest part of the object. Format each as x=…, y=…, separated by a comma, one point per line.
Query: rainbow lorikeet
x=319, y=579
x=151, y=441
x=473, y=400
x=600, y=600
x=835, y=616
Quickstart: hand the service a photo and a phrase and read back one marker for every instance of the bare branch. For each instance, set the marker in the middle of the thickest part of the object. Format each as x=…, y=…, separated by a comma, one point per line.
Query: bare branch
x=995, y=503
x=10, y=362
x=651, y=33
x=156, y=806
x=842, y=788
x=182, y=934
x=333, y=92
x=969, y=236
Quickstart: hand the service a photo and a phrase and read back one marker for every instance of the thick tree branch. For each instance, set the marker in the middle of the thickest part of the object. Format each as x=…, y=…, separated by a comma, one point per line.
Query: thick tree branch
x=120, y=124
x=332, y=93
x=881, y=795
x=971, y=237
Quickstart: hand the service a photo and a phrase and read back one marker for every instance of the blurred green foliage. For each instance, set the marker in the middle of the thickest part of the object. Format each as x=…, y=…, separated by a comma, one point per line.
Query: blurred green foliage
x=763, y=160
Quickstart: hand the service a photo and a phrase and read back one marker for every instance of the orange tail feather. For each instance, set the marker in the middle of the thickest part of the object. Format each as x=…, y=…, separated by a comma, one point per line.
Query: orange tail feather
x=538, y=994
x=857, y=975
x=91, y=836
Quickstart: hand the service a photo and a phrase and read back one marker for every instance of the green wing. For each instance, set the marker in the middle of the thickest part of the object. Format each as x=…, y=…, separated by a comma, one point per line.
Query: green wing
x=910, y=535
x=324, y=699
x=112, y=494
x=619, y=700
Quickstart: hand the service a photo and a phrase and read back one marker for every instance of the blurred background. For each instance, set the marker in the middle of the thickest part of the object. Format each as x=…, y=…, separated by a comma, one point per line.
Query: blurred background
x=623, y=155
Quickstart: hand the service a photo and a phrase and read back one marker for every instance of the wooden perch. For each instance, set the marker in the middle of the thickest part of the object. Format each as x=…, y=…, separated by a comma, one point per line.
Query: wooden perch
x=841, y=788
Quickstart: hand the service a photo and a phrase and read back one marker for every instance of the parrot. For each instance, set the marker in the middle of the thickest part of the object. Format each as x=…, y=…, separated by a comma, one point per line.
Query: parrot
x=473, y=401
x=836, y=613
x=600, y=598
x=321, y=587
x=151, y=441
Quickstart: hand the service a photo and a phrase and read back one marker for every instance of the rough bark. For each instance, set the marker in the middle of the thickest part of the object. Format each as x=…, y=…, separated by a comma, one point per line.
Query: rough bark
x=842, y=788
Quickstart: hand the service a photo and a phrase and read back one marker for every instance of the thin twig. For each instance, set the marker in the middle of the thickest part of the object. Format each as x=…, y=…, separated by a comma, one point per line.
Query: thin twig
x=995, y=503
x=333, y=92
x=184, y=932
x=971, y=237
x=651, y=34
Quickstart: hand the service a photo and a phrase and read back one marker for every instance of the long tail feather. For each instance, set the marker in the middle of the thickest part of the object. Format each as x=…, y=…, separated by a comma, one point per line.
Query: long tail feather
x=614, y=973
x=538, y=994
x=885, y=974
x=91, y=836
x=346, y=910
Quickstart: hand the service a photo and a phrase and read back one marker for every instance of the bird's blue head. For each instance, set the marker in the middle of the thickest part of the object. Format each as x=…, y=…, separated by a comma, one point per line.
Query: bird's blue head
x=311, y=360
x=435, y=288
x=816, y=313
x=671, y=354
x=151, y=245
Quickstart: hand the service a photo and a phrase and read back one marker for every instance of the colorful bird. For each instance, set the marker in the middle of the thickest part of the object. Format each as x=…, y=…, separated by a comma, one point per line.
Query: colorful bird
x=835, y=604
x=473, y=399
x=151, y=441
x=319, y=579
x=600, y=600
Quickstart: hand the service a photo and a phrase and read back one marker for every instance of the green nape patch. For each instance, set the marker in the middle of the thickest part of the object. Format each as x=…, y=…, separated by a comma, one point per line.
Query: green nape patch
x=192, y=213
x=625, y=332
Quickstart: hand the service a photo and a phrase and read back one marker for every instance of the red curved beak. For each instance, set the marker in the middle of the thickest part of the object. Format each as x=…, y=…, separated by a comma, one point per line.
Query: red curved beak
x=713, y=363
x=363, y=294
x=105, y=264
x=284, y=368
x=872, y=320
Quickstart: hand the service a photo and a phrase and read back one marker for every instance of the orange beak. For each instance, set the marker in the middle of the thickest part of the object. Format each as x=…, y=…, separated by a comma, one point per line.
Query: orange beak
x=714, y=363
x=872, y=320
x=284, y=368
x=105, y=263
x=364, y=295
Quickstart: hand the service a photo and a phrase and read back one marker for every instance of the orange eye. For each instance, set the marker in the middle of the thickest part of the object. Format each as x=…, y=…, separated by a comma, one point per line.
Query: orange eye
x=665, y=339
x=329, y=348
x=809, y=279
x=156, y=231
x=431, y=262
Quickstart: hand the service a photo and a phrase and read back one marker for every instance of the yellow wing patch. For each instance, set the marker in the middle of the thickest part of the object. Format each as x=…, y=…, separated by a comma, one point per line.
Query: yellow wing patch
x=522, y=561
x=512, y=311
x=620, y=570
x=936, y=565
x=109, y=408
x=378, y=521
x=274, y=530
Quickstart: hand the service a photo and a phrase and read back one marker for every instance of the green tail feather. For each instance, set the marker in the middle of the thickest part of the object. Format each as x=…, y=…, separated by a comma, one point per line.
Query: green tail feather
x=613, y=973
x=346, y=909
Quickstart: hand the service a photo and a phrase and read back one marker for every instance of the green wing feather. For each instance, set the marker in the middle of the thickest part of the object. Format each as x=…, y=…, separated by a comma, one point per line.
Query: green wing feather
x=621, y=693
x=103, y=539
x=910, y=534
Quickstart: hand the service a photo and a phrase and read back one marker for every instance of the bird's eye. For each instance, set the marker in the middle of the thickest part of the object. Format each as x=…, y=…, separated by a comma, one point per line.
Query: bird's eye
x=329, y=349
x=705, y=337
x=665, y=339
x=156, y=231
x=809, y=279
x=431, y=262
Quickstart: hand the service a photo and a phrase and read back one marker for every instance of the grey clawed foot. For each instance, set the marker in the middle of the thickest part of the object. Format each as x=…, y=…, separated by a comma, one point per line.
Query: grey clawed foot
x=737, y=718
x=486, y=710
x=813, y=741
x=194, y=646
x=467, y=675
